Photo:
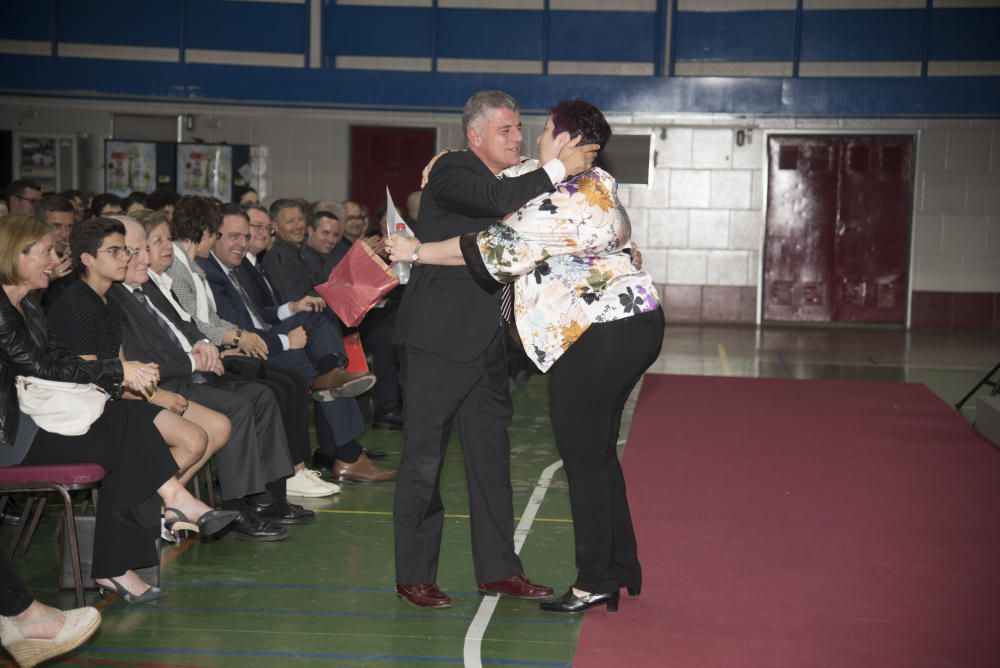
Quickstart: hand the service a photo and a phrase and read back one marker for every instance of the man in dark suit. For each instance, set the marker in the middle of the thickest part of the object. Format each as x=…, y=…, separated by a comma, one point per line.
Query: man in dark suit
x=339, y=423
x=453, y=362
x=255, y=462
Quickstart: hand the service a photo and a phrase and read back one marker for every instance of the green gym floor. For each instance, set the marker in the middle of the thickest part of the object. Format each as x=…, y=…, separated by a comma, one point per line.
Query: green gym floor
x=324, y=596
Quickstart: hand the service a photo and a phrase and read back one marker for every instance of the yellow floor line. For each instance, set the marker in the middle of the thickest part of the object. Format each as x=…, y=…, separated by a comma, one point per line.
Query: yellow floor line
x=726, y=371
x=385, y=513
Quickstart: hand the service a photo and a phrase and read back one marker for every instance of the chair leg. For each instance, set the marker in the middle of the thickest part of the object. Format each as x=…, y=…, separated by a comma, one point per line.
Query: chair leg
x=210, y=484
x=74, y=547
x=19, y=531
x=35, y=519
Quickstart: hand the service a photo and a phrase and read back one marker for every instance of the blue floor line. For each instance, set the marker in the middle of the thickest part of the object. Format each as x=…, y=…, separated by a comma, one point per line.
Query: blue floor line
x=315, y=655
x=308, y=587
x=340, y=613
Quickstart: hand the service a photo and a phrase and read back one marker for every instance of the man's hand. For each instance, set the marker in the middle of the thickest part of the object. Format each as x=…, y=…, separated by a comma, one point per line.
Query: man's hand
x=206, y=357
x=253, y=345
x=307, y=303
x=171, y=401
x=297, y=338
x=576, y=158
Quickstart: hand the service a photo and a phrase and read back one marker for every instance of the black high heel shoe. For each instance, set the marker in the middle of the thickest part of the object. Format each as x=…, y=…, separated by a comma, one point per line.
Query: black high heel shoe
x=633, y=591
x=151, y=594
x=209, y=524
x=572, y=604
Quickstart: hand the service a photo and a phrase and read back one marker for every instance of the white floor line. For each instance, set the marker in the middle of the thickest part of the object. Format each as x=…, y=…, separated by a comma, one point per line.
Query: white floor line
x=477, y=629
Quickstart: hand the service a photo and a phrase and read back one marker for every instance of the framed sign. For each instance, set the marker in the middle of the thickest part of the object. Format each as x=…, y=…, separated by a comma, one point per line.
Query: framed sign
x=206, y=170
x=48, y=159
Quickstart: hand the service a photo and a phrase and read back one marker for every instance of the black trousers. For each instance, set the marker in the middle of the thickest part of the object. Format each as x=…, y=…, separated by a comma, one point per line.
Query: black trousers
x=475, y=395
x=136, y=461
x=290, y=388
x=376, y=337
x=588, y=388
x=14, y=595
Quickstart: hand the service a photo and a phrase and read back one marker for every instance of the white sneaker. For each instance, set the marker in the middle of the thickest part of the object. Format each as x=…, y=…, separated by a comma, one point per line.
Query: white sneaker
x=307, y=482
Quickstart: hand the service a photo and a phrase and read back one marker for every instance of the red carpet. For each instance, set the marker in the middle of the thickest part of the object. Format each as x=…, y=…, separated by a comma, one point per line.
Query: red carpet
x=789, y=523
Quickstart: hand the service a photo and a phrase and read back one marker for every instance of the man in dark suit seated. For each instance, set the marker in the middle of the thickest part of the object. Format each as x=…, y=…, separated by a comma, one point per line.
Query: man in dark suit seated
x=321, y=252
x=255, y=462
x=453, y=362
x=339, y=423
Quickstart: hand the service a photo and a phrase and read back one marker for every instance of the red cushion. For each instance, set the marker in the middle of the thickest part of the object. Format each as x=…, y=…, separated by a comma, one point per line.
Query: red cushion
x=61, y=474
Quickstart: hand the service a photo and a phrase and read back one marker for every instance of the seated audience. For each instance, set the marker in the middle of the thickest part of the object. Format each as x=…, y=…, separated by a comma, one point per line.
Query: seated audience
x=140, y=472
x=88, y=325
x=248, y=299
x=256, y=460
x=105, y=204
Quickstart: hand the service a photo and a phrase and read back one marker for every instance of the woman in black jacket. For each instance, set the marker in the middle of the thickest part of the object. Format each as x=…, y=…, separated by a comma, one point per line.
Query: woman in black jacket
x=140, y=472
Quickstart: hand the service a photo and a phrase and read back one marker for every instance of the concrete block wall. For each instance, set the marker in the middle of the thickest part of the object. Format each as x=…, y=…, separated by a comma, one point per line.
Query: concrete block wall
x=700, y=223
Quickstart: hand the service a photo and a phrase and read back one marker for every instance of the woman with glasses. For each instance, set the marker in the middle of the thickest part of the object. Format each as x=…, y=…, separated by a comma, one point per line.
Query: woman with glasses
x=140, y=474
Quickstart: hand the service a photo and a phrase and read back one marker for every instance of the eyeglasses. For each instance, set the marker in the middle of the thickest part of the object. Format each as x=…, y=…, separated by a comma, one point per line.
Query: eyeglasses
x=117, y=251
x=28, y=199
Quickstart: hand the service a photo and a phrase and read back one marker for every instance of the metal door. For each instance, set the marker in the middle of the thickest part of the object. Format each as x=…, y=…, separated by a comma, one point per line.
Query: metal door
x=838, y=212
x=393, y=157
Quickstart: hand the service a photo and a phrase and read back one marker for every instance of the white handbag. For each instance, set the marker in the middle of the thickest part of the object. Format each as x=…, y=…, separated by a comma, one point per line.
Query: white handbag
x=59, y=407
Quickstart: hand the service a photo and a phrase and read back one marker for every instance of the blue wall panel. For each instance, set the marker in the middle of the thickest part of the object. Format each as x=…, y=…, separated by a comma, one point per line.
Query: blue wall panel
x=960, y=34
x=246, y=26
x=749, y=36
x=514, y=35
x=862, y=35
x=118, y=22
x=377, y=31
x=25, y=19
x=625, y=36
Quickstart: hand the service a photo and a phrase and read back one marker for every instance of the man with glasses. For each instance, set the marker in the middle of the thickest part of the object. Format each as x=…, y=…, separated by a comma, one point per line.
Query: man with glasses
x=355, y=223
x=22, y=196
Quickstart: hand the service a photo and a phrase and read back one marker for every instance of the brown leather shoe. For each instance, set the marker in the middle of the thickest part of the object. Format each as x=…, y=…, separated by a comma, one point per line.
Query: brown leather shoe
x=516, y=586
x=423, y=595
x=341, y=383
x=363, y=470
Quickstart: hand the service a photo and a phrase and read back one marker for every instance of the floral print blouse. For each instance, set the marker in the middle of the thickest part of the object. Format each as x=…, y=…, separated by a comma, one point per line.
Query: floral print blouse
x=568, y=254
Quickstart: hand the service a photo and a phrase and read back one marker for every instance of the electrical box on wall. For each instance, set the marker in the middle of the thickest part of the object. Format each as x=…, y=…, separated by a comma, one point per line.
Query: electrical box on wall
x=629, y=158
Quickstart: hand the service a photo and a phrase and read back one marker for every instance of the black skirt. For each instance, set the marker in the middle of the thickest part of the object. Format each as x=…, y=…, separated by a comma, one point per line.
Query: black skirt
x=136, y=461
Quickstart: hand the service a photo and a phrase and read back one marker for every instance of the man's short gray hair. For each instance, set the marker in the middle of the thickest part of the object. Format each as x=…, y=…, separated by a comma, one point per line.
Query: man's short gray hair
x=477, y=106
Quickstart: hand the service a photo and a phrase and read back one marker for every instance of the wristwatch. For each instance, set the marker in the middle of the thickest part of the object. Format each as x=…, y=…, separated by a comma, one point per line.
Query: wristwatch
x=415, y=258
x=236, y=339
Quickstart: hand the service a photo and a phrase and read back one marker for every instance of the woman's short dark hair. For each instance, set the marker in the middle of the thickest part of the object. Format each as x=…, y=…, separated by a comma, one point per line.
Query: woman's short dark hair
x=88, y=235
x=193, y=216
x=580, y=118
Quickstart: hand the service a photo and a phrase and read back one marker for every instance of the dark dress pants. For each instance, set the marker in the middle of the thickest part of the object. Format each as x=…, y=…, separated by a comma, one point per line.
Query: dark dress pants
x=588, y=388
x=14, y=595
x=475, y=395
x=136, y=462
x=376, y=338
x=257, y=451
x=337, y=422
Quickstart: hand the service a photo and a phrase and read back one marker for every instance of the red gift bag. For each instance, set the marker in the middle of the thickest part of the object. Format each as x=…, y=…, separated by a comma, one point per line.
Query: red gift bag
x=357, y=283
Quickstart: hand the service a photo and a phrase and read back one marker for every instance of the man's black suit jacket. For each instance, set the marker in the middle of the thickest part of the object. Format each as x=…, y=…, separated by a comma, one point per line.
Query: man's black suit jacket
x=443, y=310
x=145, y=340
x=230, y=307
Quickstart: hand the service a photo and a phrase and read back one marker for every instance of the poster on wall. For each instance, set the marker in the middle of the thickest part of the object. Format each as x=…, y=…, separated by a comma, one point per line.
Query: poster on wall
x=129, y=166
x=36, y=158
x=48, y=159
x=206, y=170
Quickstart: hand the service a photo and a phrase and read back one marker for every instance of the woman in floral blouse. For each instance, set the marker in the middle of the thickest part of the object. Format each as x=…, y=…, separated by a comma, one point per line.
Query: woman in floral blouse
x=588, y=317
